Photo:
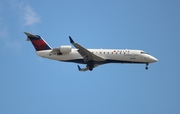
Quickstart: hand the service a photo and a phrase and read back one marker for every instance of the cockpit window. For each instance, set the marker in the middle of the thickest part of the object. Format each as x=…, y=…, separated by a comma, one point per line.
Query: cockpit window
x=143, y=52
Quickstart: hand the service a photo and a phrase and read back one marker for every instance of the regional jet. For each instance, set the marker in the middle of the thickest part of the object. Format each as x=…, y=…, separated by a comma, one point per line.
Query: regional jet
x=91, y=57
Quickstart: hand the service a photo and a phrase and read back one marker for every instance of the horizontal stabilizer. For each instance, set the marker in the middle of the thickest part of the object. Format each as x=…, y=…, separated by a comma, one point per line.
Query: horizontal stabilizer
x=29, y=36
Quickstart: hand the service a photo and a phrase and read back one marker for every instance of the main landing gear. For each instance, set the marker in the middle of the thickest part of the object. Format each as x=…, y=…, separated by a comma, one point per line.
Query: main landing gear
x=90, y=65
x=147, y=66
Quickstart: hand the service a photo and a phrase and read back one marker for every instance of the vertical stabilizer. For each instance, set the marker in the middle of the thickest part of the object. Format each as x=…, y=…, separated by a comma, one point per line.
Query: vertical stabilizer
x=38, y=42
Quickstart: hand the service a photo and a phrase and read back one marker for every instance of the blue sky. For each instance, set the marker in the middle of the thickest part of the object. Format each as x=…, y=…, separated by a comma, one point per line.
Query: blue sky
x=32, y=85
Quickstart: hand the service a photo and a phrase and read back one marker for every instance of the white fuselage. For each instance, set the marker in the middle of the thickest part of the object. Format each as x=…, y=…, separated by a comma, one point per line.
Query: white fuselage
x=111, y=56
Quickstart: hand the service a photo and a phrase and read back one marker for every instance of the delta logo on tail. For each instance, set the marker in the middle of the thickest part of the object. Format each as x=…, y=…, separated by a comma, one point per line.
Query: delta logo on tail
x=38, y=42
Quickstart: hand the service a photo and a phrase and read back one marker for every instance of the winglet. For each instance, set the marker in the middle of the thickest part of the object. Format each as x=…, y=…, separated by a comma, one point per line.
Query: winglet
x=79, y=68
x=71, y=40
x=82, y=69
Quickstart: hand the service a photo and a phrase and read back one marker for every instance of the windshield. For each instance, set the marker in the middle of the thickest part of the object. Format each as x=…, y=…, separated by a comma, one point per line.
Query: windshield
x=143, y=52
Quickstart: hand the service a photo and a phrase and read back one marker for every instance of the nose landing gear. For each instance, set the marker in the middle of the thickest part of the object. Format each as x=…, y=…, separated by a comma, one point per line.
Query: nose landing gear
x=147, y=66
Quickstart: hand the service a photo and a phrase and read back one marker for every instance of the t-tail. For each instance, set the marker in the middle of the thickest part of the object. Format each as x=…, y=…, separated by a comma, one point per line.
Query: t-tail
x=38, y=42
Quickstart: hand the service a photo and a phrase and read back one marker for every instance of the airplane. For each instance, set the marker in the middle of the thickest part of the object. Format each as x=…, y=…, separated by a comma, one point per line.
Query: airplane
x=91, y=57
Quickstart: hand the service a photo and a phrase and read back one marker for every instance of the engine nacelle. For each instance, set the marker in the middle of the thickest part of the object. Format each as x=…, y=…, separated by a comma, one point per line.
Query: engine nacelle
x=65, y=49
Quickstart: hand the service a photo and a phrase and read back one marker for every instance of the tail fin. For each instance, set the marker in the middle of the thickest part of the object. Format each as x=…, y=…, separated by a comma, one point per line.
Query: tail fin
x=38, y=42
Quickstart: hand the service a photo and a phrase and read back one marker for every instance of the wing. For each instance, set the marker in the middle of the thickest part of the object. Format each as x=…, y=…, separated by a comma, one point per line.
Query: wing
x=86, y=54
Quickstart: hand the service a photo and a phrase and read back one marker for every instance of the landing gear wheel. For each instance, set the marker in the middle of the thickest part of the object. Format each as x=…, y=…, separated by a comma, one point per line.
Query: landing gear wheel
x=90, y=65
x=90, y=69
x=147, y=66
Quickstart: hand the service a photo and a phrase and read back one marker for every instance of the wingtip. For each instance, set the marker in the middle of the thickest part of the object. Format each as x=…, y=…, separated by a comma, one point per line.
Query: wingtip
x=79, y=68
x=71, y=40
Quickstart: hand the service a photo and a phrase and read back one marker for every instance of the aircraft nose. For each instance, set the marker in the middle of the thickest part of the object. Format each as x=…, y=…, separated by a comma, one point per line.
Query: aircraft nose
x=153, y=59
